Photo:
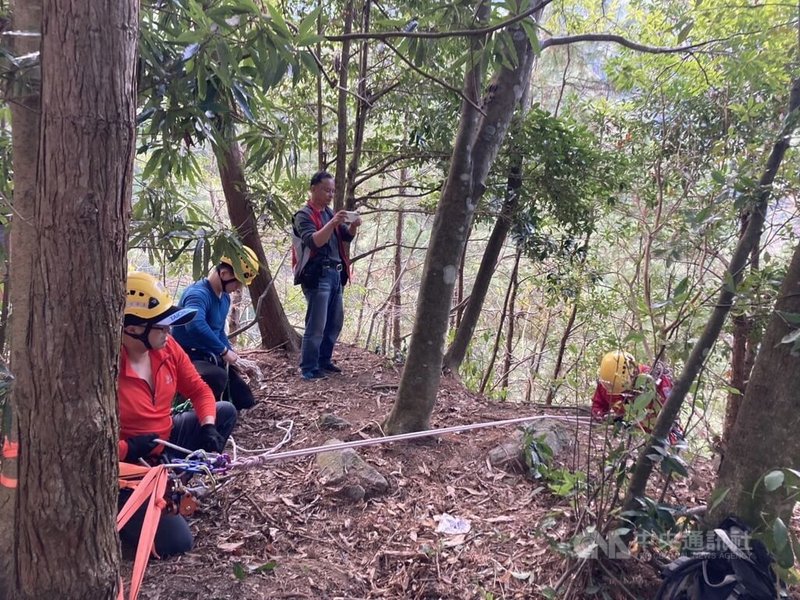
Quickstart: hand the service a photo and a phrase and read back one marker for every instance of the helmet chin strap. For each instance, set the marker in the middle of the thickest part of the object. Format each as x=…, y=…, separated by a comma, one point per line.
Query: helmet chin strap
x=143, y=337
x=225, y=282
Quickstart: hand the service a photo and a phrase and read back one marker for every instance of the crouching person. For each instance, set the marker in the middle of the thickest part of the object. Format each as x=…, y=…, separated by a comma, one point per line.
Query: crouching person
x=153, y=367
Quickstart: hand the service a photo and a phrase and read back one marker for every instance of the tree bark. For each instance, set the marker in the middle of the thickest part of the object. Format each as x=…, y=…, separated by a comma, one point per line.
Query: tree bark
x=512, y=308
x=457, y=351
x=562, y=347
x=320, y=138
x=341, y=112
x=499, y=335
x=398, y=274
x=68, y=296
x=274, y=326
x=477, y=143
x=745, y=338
x=764, y=436
x=733, y=275
x=458, y=296
x=362, y=108
x=27, y=16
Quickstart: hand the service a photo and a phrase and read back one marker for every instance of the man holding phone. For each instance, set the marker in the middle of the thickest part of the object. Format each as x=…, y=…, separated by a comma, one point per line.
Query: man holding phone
x=322, y=269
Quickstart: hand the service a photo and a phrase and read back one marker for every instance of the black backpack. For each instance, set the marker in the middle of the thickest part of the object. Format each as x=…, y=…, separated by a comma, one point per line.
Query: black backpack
x=721, y=569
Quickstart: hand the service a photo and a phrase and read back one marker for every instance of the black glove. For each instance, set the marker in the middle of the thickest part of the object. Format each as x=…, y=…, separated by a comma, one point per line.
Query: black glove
x=210, y=439
x=139, y=446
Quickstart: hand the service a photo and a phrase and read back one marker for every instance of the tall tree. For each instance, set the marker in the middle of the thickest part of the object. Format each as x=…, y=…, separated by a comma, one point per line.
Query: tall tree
x=768, y=419
x=480, y=134
x=274, y=326
x=24, y=95
x=66, y=327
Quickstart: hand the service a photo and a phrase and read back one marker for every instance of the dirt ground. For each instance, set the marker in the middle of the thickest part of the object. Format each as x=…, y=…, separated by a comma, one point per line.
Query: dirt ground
x=277, y=532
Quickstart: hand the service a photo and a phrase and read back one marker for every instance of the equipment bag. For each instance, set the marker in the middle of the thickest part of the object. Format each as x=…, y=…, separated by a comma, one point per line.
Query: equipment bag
x=721, y=569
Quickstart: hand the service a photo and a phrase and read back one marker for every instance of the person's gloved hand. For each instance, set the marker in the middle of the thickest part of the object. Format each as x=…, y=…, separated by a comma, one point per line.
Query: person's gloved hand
x=210, y=439
x=139, y=446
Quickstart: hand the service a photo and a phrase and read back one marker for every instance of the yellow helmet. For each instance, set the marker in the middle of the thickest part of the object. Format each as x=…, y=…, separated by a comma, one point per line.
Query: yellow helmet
x=147, y=302
x=247, y=263
x=617, y=371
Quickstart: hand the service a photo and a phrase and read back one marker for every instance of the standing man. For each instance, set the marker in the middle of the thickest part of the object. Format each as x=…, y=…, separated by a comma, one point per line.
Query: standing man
x=204, y=338
x=322, y=269
x=153, y=367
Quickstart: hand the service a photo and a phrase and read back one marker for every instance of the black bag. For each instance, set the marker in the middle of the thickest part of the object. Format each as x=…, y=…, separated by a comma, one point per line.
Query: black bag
x=721, y=569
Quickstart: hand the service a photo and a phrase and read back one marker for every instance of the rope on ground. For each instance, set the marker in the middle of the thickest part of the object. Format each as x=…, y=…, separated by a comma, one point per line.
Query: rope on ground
x=286, y=426
x=251, y=462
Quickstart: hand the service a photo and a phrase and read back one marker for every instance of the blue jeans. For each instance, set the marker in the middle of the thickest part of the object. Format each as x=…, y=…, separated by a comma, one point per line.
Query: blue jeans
x=324, y=319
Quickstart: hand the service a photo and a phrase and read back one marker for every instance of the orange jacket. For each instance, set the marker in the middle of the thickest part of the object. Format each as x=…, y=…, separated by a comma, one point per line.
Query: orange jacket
x=142, y=410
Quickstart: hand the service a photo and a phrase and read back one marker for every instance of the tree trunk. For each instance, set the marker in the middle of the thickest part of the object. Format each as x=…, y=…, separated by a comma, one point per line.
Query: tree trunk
x=477, y=143
x=274, y=326
x=764, y=436
x=742, y=324
x=320, y=138
x=562, y=347
x=468, y=322
x=511, y=325
x=363, y=303
x=362, y=108
x=537, y=364
x=398, y=274
x=68, y=296
x=466, y=329
x=341, y=112
x=506, y=308
x=458, y=296
x=25, y=150
x=733, y=275
x=745, y=335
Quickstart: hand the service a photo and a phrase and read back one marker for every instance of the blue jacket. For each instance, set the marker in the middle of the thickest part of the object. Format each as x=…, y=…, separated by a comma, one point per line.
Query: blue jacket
x=205, y=334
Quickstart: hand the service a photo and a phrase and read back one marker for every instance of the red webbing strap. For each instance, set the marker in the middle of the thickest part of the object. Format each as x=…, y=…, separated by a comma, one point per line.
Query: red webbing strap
x=10, y=451
x=151, y=489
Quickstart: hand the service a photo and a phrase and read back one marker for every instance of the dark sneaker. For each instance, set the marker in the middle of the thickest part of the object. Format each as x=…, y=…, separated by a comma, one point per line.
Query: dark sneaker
x=312, y=375
x=331, y=368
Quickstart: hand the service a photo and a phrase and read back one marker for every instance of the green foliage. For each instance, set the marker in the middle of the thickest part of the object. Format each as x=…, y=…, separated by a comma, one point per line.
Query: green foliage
x=167, y=224
x=538, y=454
x=793, y=338
x=241, y=571
x=773, y=531
x=566, y=173
x=205, y=66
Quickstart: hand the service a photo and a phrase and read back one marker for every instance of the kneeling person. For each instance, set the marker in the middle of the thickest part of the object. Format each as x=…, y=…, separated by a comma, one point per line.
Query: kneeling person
x=204, y=338
x=153, y=367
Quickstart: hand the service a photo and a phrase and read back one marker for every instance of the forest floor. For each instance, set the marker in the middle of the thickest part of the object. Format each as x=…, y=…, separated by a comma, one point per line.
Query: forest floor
x=278, y=532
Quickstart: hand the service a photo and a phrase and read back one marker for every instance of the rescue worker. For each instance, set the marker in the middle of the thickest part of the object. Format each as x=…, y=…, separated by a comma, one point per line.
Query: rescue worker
x=153, y=367
x=204, y=338
x=617, y=388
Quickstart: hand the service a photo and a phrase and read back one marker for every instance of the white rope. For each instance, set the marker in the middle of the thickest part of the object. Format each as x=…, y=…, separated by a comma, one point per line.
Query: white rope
x=286, y=426
x=254, y=461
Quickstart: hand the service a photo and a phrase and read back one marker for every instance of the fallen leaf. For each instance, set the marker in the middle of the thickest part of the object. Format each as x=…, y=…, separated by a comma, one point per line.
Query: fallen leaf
x=454, y=540
x=500, y=519
x=230, y=546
